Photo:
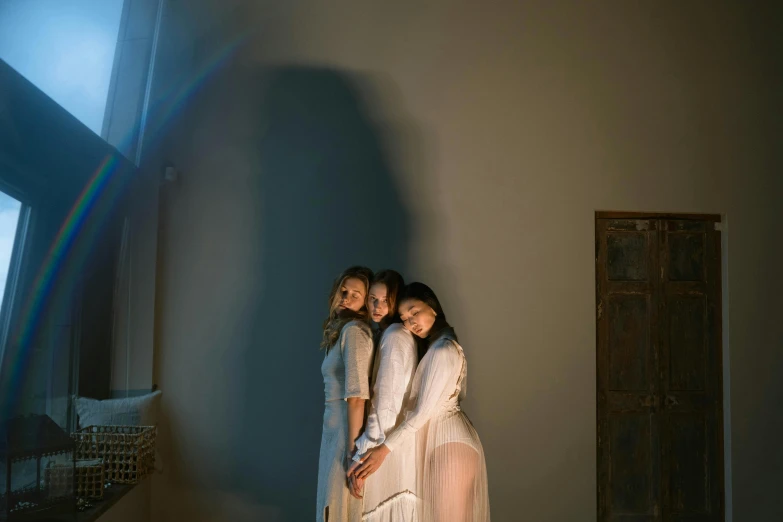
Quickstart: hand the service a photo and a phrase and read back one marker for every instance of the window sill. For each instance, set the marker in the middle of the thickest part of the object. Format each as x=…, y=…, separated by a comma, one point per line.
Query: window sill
x=111, y=496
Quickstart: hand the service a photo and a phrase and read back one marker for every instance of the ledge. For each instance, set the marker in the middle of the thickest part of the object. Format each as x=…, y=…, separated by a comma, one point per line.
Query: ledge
x=111, y=496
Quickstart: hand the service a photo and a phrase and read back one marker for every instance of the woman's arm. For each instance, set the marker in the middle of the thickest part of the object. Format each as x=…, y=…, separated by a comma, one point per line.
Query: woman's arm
x=357, y=350
x=440, y=371
x=439, y=378
x=397, y=354
x=355, y=421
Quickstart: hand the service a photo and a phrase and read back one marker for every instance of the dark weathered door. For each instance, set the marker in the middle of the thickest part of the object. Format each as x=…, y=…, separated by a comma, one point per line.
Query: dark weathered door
x=659, y=370
x=691, y=371
x=629, y=445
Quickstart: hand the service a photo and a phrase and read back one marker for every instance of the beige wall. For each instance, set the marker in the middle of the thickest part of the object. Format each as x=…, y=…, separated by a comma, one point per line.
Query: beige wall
x=504, y=125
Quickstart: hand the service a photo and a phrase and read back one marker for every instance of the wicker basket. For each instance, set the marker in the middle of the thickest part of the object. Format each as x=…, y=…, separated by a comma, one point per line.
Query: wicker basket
x=89, y=478
x=128, y=452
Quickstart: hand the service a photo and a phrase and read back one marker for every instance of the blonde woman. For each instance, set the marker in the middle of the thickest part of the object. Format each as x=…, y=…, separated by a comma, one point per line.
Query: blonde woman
x=347, y=340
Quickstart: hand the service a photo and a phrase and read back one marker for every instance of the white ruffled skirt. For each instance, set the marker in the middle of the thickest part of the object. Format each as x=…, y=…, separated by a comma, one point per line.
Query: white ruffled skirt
x=390, y=492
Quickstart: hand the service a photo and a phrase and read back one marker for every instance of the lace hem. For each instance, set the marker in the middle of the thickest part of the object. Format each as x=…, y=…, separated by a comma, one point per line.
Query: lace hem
x=400, y=506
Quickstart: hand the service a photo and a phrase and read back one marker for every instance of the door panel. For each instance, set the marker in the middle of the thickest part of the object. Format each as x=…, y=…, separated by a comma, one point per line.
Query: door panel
x=690, y=373
x=687, y=343
x=629, y=429
x=629, y=343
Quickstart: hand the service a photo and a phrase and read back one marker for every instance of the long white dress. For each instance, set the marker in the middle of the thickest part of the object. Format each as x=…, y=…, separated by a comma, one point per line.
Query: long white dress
x=390, y=492
x=451, y=470
x=346, y=373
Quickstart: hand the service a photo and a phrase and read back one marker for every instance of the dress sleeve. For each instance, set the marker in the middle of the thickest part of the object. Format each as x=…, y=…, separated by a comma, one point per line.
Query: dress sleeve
x=397, y=349
x=356, y=349
x=440, y=370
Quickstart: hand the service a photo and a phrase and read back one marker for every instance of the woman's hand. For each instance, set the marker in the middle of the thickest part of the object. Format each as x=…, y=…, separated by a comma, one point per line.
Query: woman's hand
x=356, y=486
x=370, y=463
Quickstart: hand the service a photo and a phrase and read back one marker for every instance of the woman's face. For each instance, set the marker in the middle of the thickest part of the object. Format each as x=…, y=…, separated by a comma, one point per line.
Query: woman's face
x=378, y=302
x=417, y=317
x=351, y=295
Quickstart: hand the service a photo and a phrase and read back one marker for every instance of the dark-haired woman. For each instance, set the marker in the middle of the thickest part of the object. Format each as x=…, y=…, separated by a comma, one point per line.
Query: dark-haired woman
x=346, y=371
x=389, y=494
x=452, y=475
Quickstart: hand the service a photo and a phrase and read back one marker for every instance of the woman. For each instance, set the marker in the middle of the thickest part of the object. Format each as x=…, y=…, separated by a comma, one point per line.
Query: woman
x=346, y=371
x=452, y=475
x=389, y=494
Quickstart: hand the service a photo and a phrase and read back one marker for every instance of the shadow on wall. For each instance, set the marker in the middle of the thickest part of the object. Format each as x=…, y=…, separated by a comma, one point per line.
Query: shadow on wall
x=328, y=200
x=286, y=182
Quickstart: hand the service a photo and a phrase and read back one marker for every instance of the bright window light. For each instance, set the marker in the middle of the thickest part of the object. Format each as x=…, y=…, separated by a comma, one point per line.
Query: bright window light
x=9, y=220
x=66, y=48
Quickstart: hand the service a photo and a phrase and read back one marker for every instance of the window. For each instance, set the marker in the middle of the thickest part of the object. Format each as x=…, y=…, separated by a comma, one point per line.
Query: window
x=66, y=48
x=14, y=217
x=9, y=220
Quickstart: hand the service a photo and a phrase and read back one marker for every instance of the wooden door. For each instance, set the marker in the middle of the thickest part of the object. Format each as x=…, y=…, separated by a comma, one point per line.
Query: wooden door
x=660, y=445
x=629, y=446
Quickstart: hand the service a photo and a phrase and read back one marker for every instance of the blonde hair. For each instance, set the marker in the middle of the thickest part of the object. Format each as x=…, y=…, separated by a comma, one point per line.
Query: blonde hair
x=337, y=319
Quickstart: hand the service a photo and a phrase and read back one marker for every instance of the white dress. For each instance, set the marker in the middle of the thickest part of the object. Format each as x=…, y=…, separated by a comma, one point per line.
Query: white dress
x=346, y=373
x=389, y=493
x=451, y=470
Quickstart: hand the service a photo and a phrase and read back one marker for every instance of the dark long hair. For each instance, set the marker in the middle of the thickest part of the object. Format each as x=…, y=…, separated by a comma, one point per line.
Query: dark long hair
x=338, y=318
x=394, y=285
x=425, y=294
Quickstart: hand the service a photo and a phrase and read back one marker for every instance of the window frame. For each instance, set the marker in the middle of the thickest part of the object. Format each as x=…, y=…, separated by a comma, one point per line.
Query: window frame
x=16, y=267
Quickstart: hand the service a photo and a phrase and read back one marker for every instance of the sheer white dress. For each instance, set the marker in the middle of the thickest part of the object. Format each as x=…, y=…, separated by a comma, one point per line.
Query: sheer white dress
x=451, y=470
x=346, y=373
x=389, y=493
